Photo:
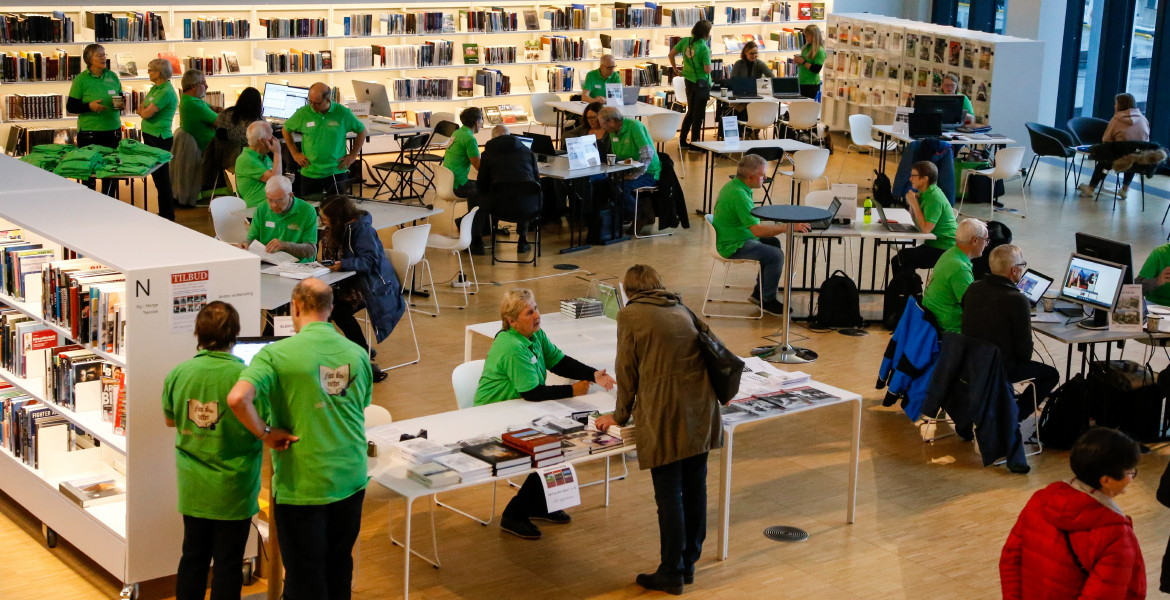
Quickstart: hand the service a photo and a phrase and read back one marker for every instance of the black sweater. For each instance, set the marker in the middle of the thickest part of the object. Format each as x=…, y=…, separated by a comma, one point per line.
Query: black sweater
x=996, y=312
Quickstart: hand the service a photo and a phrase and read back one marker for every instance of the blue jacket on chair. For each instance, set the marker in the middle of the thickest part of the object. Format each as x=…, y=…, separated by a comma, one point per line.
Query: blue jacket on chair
x=909, y=360
x=936, y=151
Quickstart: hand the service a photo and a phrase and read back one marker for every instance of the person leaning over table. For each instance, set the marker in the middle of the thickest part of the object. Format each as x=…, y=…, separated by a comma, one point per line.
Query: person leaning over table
x=463, y=151
x=810, y=61
x=316, y=385
x=1154, y=276
x=950, y=85
x=630, y=140
x=323, y=125
x=218, y=459
x=92, y=97
x=696, y=71
x=254, y=167
x=953, y=275
x=593, y=88
x=284, y=223
x=158, y=119
x=516, y=367
x=932, y=213
x=663, y=385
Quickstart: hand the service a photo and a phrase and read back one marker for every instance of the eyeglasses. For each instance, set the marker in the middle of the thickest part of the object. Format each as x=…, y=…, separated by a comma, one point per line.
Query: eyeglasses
x=1132, y=473
x=1023, y=264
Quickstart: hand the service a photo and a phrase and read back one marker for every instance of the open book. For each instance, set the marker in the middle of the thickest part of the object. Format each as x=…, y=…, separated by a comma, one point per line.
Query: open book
x=273, y=258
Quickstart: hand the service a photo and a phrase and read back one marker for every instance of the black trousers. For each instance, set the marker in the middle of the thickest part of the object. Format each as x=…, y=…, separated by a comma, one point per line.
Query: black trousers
x=162, y=177
x=529, y=501
x=343, y=315
x=1044, y=378
x=336, y=184
x=316, y=543
x=109, y=139
x=680, y=491
x=205, y=540
x=917, y=257
x=696, y=111
x=1099, y=172
x=810, y=90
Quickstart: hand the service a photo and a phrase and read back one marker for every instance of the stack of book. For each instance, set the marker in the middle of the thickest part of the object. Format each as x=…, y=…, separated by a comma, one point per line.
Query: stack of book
x=466, y=466
x=544, y=448
x=503, y=459
x=564, y=425
x=574, y=445
x=417, y=450
x=580, y=308
x=624, y=433
x=432, y=474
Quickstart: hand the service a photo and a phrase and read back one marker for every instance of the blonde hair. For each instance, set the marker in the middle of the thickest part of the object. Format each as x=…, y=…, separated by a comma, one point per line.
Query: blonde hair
x=513, y=303
x=813, y=39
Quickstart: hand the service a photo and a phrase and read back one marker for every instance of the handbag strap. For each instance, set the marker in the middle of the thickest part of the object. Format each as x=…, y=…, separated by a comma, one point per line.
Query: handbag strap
x=1073, y=553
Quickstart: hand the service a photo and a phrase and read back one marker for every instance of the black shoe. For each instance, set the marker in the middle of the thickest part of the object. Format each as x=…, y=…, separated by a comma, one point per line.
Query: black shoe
x=373, y=353
x=689, y=578
x=997, y=203
x=755, y=297
x=656, y=582
x=477, y=250
x=379, y=374
x=523, y=529
x=1019, y=469
x=559, y=517
x=523, y=248
x=774, y=307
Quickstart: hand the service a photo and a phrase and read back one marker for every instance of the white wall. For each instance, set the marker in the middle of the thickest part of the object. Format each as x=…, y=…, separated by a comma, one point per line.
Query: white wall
x=918, y=10
x=1041, y=20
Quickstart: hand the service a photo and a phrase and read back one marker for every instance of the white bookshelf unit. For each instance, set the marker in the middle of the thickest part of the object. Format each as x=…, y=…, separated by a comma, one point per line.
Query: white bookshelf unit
x=878, y=63
x=139, y=538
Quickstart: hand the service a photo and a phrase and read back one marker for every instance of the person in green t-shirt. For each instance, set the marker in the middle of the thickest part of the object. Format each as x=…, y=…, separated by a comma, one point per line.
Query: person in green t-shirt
x=284, y=223
x=1154, y=276
x=950, y=85
x=593, y=88
x=158, y=122
x=254, y=167
x=516, y=367
x=932, y=213
x=316, y=386
x=95, y=96
x=463, y=152
x=810, y=61
x=630, y=140
x=218, y=459
x=953, y=274
x=324, y=126
x=196, y=117
x=696, y=70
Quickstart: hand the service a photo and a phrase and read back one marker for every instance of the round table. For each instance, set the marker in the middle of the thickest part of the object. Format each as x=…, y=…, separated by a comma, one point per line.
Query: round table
x=790, y=213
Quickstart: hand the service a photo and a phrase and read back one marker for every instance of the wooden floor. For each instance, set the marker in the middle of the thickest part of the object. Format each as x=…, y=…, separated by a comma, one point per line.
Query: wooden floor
x=930, y=520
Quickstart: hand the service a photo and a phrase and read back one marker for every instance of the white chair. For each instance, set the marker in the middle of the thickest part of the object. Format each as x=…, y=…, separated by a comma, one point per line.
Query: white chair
x=1007, y=165
x=401, y=263
x=807, y=165
x=456, y=246
x=762, y=115
x=542, y=113
x=727, y=263
x=663, y=127
x=413, y=241
x=377, y=415
x=820, y=199
x=805, y=115
x=465, y=380
x=680, y=91
x=227, y=217
x=445, y=190
x=861, y=139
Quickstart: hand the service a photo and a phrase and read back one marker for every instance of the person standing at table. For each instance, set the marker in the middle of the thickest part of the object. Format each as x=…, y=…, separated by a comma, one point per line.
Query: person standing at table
x=316, y=385
x=696, y=70
x=324, y=125
x=516, y=367
x=932, y=213
x=663, y=385
x=953, y=274
x=630, y=140
x=95, y=96
x=593, y=88
x=463, y=151
x=284, y=223
x=254, y=167
x=158, y=120
x=218, y=459
x=810, y=61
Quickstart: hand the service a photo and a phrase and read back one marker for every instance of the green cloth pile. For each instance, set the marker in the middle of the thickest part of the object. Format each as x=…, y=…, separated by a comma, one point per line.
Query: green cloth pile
x=81, y=162
x=132, y=158
x=47, y=156
x=137, y=148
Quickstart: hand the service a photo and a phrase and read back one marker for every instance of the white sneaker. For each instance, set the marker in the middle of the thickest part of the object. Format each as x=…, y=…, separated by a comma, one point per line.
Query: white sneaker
x=1124, y=192
x=1086, y=190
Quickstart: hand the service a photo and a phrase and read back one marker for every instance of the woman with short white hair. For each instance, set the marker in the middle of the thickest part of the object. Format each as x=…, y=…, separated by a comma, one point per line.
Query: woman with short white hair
x=158, y=122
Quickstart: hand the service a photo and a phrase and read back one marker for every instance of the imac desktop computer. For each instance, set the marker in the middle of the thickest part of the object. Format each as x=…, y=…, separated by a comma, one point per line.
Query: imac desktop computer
x=1093, y=283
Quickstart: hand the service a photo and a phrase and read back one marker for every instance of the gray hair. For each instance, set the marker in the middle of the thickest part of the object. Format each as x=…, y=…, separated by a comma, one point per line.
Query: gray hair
x=163, y=67
x=278, y=183
x=749, y=164
x=258, y=130
x=609, y=113
x=192, y=78
x=89, y=51
x=1004, y=257
x=513, y=303
x=499, y=130
x=970, y=228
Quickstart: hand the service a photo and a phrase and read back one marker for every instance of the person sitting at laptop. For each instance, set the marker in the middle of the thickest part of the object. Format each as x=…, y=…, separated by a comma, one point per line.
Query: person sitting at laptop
x=630, y=140
x=995, y=311
x=749, y=64
x=1154, y=276
x=950, y=85
x=593, y=88
x=505, y=162
x=953, y=275
x=932, y=213
x=463, y=151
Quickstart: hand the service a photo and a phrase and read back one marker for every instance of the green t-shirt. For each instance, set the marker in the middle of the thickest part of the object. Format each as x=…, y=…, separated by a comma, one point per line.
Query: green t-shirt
x=628, y=141
x=162, y=124
x=515, y=364
x=218, y=459
x=197, y=119
x=936, y=209
x=803, y=75
x=460, y=151
x=967, y=106
x=594, y=84
x=323, y=137
x=1158, y=260
x=695, y=57
x=944, y=294
x=733, y=216
x=87, y=88
x=298, y=225
x=317, y=385
x=250, y=167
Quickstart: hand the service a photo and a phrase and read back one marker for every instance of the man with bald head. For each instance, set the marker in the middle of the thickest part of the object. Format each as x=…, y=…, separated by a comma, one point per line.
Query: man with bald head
x=323, y=125
x=254, y=167
x=506, y=161
x=316, y=385
x=593, y=88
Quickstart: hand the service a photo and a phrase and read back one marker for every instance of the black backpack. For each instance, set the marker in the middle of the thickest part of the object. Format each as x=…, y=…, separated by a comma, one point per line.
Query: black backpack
x=902, y=286
x=1066, y=414
x=838, y=303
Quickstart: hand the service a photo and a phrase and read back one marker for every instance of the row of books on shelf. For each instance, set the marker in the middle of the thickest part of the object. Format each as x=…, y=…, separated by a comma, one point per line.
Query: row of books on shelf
x=32, y=65
x=295, y=28
x=19, y=107
x=424, y=88
x=87, y=299
x=36, y=29
x=294, y=61
x=431, y=53
x=126, y=27
x=215, y=28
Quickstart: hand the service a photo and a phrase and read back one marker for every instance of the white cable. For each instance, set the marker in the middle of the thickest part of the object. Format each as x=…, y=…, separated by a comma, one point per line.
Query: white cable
x=573, y=272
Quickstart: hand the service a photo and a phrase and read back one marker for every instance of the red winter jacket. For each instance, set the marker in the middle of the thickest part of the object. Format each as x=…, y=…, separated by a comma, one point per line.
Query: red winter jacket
x=1036, y=563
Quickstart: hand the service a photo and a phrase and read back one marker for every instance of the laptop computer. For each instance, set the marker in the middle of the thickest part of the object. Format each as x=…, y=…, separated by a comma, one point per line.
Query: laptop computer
x=375, y=94
x=630, y=94
x=527, y=141
x=895, y=227
x=281, y=101
x=744, y=88
x=924, y=125
x=786, y=88
x=542, y=144
x=248, y=347
x=1033, y=284
x=824, y=224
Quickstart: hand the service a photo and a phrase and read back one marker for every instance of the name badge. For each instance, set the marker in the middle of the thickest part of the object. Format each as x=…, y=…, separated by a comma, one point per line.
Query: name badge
x=533, y=360
x=270, y=223
x=111, y=92
x=311, y=124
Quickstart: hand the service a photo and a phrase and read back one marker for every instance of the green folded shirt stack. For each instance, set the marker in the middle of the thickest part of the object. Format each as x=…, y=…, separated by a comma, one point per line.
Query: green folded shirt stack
x=125, y=165
x=47, y=156
x=137, y=148
x=82, y=162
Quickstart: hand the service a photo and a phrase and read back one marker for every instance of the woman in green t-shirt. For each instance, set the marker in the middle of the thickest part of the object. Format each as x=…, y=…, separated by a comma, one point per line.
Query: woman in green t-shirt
x=158, y=123
x=96, y=98
x=696, y=52
x=809, y=62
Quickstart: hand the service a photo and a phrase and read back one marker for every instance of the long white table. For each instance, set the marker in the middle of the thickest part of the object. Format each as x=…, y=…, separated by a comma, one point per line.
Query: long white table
x=886, y=133
x=383, y=214
x=714, y=148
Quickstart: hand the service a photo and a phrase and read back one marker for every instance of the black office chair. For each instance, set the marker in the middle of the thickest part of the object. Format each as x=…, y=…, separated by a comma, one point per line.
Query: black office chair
x=405, y=167
x=1050, y=141
x=517, y=202
x=1087, y=130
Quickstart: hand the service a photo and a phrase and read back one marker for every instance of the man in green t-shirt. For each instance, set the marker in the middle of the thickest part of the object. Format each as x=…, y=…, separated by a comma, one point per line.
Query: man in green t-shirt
x=217, y=458
x=463, y=151
x=953, y=274
x=316, y=385
x=284, y=223
x=324, y=126
x=1154, y=276
x=739, y=234
x=593, y=88
x=950, y=85
x=254, y=167
x=932, y=213
x=630, y=140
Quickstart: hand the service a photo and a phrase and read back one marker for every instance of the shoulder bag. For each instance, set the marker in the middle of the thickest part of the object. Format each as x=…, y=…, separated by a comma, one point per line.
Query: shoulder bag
x=724, y=368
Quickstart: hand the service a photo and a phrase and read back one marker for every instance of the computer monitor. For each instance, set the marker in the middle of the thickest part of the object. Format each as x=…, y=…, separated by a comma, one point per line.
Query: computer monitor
x=950, y=106
x=248, y=347
x=742, y=86
x=375, y=94
x=1107, y=250
x=527, y=141
x=281, y=101
x=1094, y=283
x=786, y=85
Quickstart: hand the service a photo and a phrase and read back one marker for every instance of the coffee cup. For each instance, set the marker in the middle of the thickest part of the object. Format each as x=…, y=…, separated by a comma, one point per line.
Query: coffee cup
x=1049, y=304
x=119, y=101
x=1153, y=322
x=611, y=159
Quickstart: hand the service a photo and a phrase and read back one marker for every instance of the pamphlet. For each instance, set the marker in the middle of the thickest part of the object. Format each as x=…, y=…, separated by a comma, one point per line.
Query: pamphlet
x=847, y=194
x=613, y=94
x=275, y=258
x=902, y=120
x=1127, y=313
x=582, y=152
x=561, y=487
x=731, y=129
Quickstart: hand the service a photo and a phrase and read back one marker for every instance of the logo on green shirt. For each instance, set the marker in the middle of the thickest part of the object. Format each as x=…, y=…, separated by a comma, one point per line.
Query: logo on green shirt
x=335, y=381
x=203, y=415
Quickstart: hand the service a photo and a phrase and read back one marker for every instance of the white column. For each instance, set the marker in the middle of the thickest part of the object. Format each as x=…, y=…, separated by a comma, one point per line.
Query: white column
x=1041, y=20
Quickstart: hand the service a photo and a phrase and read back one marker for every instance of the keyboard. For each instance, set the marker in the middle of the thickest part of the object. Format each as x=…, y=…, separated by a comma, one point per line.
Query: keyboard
x=747, y=98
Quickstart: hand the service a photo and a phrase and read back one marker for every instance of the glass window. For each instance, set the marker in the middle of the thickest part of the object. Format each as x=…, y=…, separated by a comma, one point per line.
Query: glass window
x=1145, y=20
x=1087, y=62
x=1000, y=15
x=961, y=14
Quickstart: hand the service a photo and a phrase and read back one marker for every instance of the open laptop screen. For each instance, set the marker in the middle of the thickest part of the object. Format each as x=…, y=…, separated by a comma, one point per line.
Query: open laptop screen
x=281, y=101
x=248, y=347
x=1033, y=284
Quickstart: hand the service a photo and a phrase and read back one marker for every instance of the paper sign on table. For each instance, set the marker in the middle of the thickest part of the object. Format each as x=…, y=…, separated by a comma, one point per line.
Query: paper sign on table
x=561, y=489
x=582, y=152
x=613, y=94
x=282, y=326
x=731, y=129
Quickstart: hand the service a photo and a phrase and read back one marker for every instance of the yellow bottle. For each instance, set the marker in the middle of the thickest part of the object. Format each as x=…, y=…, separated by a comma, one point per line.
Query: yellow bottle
x=867, y=210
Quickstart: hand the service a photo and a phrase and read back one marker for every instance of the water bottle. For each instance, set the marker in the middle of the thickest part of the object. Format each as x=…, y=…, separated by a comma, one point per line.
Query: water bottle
x=867, y=210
